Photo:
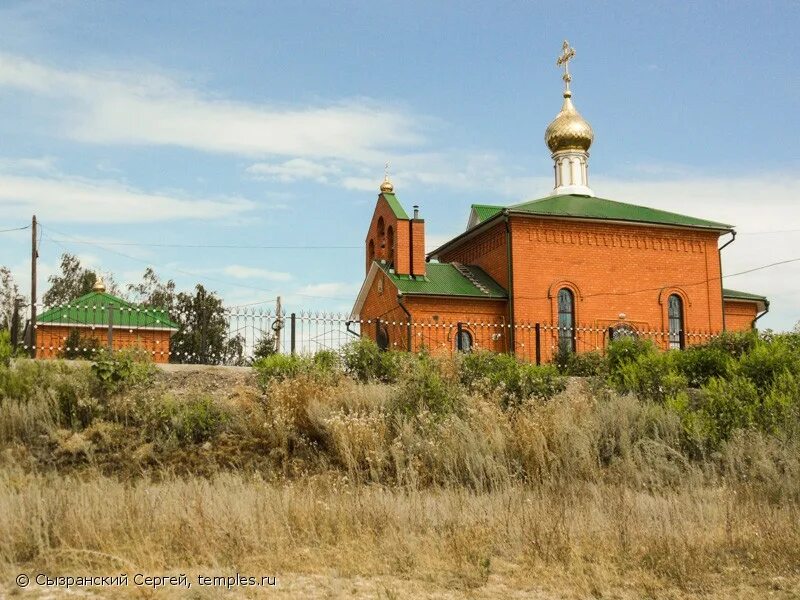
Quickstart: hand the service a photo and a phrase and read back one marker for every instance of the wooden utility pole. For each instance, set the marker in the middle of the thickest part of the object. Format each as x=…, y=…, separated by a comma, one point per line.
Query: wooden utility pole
x=34, y=257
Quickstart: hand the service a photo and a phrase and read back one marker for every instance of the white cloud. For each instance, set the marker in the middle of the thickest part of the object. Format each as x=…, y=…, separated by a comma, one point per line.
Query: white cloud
x=243, y=272
x=84, y=200
x=152, y=109
x=294, y=170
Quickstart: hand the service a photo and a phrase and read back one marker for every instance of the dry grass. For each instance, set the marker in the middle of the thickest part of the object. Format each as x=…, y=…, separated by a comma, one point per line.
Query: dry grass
x=327, y=487
x=585, y=539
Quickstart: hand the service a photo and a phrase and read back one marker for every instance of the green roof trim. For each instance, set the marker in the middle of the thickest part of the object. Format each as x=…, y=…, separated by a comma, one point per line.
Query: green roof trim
x=445, y=279
x=589, y=207
x=395, y=205
x=486, y=211
x=92, y=310
x=737, y=295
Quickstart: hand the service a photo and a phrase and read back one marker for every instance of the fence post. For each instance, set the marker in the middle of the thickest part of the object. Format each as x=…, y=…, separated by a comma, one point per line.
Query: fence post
x=459, y=330
x=610, y=334
x=538, y=330
x=682, y=339
x=292, y=334
x=110, y=327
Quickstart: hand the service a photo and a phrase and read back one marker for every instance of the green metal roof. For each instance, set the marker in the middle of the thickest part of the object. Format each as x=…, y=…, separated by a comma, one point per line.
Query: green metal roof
x=588, y=207
x=485, y=211
x=445, y=279
x=395, y=205
x=92, y=309
x=737, y=295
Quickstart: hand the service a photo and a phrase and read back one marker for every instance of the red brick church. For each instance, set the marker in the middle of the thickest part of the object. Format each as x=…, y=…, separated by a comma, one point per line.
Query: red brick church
x=566, y=271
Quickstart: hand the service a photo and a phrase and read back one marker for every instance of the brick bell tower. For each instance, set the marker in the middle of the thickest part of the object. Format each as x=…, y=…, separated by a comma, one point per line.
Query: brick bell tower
x=394, y=239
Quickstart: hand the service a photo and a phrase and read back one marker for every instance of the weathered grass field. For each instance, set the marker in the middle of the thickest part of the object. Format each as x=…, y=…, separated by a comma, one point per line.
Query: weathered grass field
x=325, y=485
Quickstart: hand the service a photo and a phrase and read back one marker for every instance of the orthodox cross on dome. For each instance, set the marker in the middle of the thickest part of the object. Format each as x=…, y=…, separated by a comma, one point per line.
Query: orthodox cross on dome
x=386, y=186
x=567, y=53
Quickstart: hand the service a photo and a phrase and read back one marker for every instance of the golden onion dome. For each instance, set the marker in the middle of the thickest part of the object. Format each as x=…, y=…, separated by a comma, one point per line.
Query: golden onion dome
x=386, y=186
x=99, y=285
x=569, y=130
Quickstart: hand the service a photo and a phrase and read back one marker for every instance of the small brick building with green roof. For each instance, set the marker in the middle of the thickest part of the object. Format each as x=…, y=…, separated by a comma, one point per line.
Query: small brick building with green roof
x=132, y=326
x=573, y=267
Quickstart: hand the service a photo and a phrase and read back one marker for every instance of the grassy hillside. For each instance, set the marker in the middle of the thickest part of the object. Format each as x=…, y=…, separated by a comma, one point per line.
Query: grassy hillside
x=386, y=475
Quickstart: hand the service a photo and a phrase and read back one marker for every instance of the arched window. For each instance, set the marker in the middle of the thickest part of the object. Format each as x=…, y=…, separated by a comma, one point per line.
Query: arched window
x=390, y=245
x=677, y=335
x=464, y=341
x=381, y=239
x=566, y=320
x=371, y=252
x=382, y=337
x=622, y=331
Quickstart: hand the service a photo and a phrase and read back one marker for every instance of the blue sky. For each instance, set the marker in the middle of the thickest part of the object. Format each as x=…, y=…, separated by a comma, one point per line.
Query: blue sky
x=268, y=124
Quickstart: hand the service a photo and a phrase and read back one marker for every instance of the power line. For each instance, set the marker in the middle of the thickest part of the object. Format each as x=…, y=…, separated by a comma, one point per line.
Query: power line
x=679, y=285
x=768, y=232
x=15, y=229
x=184, y=272
x=214, y=246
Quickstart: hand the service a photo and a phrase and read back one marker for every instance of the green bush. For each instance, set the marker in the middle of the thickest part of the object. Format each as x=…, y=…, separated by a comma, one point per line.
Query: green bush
x=195, y=420
x=583, y=364
x=729, y=404
x=765, y=361
x=699, y=364
x=364, y=361
x=280, y=366
x=6, y=350
x=425, y=389
x=122, y=368
x=515, y=381
x=77, y=346
x=650, y=377
x=627, y=350
x=323, y=365
x=734, y=344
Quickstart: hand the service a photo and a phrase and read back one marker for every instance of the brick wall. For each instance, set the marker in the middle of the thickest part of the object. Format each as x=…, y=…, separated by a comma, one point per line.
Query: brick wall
x=739, y=315
x=50, y=340
x=486, y=250
x=613, y=269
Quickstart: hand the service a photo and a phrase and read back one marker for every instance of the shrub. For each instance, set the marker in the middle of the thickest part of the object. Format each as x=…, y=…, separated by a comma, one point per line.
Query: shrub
x=627, y=350
x=584, y=364
x=323, y=366
x=765, y=361
x=77, y=346
x=364, y=361
x=729, y=404
x=425, y=389
x=699, y=364
x=650, y=377
x=264, y=347
x=6, y=350
x=195, y=420
x=734, y=344
x=514, y=380
x=122, y=368
x=280, y=366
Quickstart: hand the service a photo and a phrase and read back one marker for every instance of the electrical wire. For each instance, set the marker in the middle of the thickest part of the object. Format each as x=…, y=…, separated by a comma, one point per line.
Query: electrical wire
x=15, y=229
x=214, y=246
x=184, y=272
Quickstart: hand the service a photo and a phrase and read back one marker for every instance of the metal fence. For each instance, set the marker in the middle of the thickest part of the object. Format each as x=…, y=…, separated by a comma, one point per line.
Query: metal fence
x=238, y=335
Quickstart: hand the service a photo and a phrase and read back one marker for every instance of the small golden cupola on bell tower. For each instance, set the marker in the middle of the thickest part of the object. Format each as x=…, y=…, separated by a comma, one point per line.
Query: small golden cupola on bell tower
x=569, y=137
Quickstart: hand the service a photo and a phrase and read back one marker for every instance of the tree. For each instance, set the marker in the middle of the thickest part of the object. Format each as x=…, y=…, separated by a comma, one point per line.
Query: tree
x=203, y=335
x=78, y=346
x=73, y=281
x=9, y=292
x=152, y=292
